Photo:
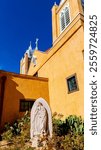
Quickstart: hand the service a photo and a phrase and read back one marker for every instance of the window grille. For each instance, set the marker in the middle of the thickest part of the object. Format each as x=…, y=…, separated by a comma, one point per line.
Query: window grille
x=62, y=21
x=26, y=105
x=64, y=18
x=67, y=17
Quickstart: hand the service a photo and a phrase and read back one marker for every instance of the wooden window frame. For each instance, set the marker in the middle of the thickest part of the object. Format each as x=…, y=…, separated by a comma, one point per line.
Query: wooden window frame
x=25, y=101
x=77, y=89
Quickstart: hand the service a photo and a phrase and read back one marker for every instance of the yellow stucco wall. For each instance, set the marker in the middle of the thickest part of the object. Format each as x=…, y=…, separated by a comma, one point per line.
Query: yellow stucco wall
x=67, y=61
x=21, y=87
x=62, y=64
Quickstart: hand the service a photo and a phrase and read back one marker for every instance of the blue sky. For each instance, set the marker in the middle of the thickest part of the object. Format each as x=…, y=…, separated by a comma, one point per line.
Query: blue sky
x=22, y=21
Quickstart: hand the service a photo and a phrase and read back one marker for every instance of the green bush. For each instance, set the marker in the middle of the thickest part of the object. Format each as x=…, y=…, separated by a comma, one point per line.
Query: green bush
x=69, y=133
x=17, y=128
x=7, y=135
x=7, y=126
x=71, y=124
x=76, y=124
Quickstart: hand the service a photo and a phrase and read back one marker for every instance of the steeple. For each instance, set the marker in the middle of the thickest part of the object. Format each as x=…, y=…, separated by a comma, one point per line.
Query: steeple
x=29, y=51
x=55, y=3
x=30, y=46
x=36, y=43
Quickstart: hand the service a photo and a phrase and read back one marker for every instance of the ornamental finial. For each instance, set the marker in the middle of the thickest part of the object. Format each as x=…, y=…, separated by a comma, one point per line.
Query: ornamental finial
x=55, y=3
x=30, y=43
x=30, y=46
x=36, y=43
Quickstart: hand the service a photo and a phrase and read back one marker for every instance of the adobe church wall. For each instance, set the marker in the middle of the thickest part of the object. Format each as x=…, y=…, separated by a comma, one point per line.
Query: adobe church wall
x=67, y=61
x=21, y=88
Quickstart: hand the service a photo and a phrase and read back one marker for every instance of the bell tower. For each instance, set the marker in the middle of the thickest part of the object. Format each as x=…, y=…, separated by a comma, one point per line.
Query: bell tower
x=63, y=14
x=25, y=62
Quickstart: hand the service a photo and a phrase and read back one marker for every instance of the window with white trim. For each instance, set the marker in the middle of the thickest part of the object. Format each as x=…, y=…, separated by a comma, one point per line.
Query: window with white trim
x=64, y=18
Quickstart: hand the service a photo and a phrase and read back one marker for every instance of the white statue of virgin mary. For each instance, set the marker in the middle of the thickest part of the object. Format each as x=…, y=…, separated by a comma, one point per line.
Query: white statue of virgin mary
x=40, y=120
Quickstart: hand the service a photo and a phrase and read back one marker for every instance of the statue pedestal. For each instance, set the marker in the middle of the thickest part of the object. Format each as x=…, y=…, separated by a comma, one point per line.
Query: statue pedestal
x=35, y=141
x=39, y=141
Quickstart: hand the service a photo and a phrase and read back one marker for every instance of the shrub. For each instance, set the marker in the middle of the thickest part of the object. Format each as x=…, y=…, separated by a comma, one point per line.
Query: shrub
x=60, y=127
x=7, y=135
x=73, y=142
x=71, y=124
x=76, y=124
x=69, y=133
x=17, y=128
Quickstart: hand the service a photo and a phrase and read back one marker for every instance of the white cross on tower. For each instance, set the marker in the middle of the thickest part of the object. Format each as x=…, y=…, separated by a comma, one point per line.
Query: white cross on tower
x=36, y=43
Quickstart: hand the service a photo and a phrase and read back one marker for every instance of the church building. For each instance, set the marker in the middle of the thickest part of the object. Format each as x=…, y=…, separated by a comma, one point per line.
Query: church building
x=56, y=75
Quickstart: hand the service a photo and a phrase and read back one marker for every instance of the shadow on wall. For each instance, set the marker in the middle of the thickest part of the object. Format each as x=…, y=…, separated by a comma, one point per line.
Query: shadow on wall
x=9, y=100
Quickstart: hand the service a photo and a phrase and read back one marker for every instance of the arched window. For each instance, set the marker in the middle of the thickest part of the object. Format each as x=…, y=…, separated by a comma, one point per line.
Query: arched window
x=64, y=18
